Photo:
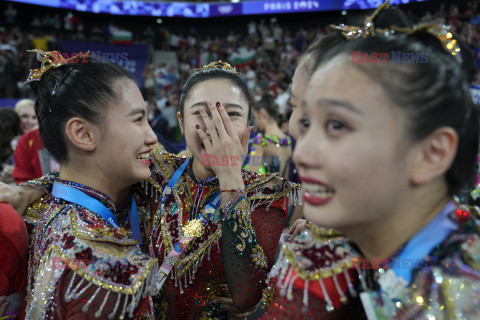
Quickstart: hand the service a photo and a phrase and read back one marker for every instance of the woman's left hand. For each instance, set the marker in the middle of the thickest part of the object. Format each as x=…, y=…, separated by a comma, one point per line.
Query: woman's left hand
x=221, y=141
x=297, y=227
x=227, y=304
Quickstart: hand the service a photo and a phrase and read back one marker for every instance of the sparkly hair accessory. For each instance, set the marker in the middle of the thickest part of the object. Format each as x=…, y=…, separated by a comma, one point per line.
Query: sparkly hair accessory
x=354, y=32
x=441, y=32
x=49, y=59
x=220, y=65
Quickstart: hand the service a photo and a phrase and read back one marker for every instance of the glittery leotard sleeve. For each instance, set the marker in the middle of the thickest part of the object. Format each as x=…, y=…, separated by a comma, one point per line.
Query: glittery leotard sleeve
x=249, y=243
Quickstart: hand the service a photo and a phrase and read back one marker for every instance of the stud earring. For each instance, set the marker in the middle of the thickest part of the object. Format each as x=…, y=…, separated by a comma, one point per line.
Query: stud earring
x=90, y=147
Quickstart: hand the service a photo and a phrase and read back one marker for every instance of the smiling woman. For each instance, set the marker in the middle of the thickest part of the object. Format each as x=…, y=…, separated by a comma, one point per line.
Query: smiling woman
x=386, y=148
x=85, y=253
x=382, y=150
x=226, y=220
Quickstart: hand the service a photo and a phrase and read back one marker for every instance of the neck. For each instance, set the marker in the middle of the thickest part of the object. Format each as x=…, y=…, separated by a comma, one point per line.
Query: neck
x=91, y=178
x=271, y=128
x=201, y=172
x=382, y=238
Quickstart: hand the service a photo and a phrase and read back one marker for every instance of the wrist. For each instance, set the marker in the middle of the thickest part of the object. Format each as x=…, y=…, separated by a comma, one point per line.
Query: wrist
x=232, y=185
x=233, y=181
x=30, y=194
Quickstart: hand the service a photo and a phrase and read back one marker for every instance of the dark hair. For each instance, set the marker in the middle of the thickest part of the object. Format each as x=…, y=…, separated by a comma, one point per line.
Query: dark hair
x=432, y=93
x=82, y=90
x=9, y=129
x=267, y=103
x=215, y=73
x=384, y=19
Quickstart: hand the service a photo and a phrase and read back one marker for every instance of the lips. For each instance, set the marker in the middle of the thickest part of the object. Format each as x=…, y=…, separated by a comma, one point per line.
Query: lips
x=315, y=192
x=145, y=157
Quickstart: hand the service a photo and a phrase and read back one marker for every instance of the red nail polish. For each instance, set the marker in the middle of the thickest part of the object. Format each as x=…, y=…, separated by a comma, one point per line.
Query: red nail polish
x=218, y=104
x=197, y=126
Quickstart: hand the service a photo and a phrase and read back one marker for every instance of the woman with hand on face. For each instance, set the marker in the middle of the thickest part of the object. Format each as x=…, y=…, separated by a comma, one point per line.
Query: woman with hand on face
x=271, y=148
x=385, y=148
x=86, y=254
x=215, y=227
x=225, y=222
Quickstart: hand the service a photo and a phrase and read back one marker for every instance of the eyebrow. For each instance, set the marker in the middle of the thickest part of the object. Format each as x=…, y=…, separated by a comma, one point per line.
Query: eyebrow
x=136, y=111
x=226, y=105
x=337, y=103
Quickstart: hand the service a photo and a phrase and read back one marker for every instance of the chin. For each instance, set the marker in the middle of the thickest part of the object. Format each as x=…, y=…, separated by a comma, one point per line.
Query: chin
x=144, y=175
x=319, y=218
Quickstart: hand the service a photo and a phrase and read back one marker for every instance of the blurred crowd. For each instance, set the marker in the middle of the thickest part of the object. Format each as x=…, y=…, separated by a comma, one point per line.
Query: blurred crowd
x=265, y=52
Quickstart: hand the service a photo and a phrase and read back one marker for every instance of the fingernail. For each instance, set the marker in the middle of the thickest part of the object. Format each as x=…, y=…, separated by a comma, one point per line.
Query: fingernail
x=197, y=126
x=218, y=104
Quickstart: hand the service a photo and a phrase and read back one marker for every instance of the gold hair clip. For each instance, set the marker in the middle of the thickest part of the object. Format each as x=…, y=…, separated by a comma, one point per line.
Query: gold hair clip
x=354, y=32
x=49, y=59
x=440, y=31
x=221, y=65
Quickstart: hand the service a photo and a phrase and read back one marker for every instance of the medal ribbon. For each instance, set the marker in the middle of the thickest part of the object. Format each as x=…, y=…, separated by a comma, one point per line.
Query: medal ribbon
x=76, y=196
x=396, y=279
x=423, y=243
x=179, y=247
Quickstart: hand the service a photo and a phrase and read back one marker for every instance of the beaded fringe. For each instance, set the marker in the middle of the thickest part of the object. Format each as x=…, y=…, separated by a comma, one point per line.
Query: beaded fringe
x=283, y=271
x=130, y=302
x=293, y=197
x=182, y=281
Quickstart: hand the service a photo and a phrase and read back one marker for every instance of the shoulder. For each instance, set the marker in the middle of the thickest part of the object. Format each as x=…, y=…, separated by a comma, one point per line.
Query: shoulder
x=7, y=213
x=13, y=228
x=314, y=255
x=76, y=244
x=450, y=273
x=271, y=187
x=30, y=139
x=164, y=164
x=81, y=226
x=82, y=241
x=319, y=253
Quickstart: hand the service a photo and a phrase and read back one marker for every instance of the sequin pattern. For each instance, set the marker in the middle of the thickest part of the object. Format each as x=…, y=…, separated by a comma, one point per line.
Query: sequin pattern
x=67, y=241
x=312, y=281
x=199, y=277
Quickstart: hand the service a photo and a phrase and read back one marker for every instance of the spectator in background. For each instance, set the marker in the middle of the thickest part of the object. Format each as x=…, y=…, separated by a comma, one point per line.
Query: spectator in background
x=160, y=126
x=250, y=77
x=170, y=78
x=282, y=97
x=31, y=159
x=9, y=130
x=14, y=260
x=26, y=111
x=7, y=80
x=13, y=233
x=10, y=15
x=149, y=80
x=169, y=112
x=271, y=148
x=159, y=72
x=40, y=40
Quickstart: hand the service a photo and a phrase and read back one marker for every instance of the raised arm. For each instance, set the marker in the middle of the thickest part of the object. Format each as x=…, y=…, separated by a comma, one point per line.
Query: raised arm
x=19, y=197
x=249, y=241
